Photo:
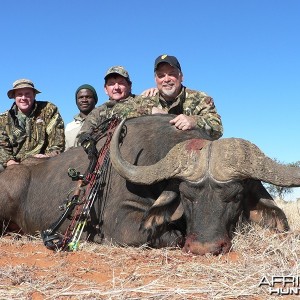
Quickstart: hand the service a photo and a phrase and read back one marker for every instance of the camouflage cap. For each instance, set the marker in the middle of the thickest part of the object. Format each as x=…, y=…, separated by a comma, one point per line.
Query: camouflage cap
x=117, y=70
x=171, y=60
x=20, y=84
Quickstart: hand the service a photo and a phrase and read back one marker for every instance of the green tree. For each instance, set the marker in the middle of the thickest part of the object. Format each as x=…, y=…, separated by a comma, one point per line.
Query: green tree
x=279, y=191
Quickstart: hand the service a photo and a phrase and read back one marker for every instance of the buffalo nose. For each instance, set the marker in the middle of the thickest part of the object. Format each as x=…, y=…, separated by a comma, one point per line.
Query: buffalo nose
x=192, y=245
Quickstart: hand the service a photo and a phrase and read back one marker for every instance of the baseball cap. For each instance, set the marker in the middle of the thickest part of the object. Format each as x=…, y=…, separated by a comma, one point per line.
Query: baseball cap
x=117, y=70
x=171, y=60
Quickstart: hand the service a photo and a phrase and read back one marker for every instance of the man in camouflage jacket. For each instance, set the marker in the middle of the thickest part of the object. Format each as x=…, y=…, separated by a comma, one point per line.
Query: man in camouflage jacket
x=30, y=127
x=117, y=85
x=194, y=109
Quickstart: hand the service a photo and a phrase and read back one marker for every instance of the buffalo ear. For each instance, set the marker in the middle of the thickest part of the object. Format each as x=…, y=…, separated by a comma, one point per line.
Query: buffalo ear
x=267, y=214
x=261, y=208
x=165, y=209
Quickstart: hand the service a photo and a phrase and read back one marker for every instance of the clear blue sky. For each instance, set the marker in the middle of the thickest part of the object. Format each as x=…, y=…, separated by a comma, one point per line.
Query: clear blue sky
x=245, y=54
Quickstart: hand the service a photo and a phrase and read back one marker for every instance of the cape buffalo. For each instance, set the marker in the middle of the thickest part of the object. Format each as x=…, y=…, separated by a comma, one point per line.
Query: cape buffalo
x=174, y=187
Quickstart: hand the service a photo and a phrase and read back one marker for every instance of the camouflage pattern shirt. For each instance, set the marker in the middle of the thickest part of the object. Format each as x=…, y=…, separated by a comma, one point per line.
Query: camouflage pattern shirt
x=188, y=102
x=21, y=136
x=120, y=109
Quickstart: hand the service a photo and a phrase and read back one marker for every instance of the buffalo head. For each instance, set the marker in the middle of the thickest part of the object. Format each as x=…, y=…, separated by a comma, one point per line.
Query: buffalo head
x=216, y=182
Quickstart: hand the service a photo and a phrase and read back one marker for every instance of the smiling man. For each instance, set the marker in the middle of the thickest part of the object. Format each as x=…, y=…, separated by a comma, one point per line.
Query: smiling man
x=86, y=99
x=29, y=127
x=117, y=85
x=194, y=109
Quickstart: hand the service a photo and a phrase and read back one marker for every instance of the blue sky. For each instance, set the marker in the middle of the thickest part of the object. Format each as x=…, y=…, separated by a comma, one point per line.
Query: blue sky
x=245, y=54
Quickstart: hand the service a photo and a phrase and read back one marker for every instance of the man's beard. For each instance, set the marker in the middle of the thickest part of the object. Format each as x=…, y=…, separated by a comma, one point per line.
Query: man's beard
x=169, y=92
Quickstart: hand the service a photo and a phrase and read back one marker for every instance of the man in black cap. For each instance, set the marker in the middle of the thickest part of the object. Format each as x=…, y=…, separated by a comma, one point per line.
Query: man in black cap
x=86, y=99
x=193, y=108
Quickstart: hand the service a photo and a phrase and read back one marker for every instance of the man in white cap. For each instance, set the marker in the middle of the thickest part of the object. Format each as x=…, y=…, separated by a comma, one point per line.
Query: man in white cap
x=29, y=127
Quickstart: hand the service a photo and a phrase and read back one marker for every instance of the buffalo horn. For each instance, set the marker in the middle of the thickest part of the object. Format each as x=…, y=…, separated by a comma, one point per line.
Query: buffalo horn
x=178, y=163
x=224, y=160
x=236, y=159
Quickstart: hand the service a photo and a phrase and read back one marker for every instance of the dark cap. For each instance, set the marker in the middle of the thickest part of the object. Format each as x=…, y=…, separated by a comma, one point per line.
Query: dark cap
x=171, y=60
x=87, y=87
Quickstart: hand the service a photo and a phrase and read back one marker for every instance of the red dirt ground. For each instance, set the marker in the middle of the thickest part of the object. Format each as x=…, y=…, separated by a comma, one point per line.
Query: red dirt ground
x=28, y=270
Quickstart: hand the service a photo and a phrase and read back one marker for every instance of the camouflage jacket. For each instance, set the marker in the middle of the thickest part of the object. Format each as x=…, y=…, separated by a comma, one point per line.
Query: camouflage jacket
x=188, y=102
x=41, y=133
x=105, y=111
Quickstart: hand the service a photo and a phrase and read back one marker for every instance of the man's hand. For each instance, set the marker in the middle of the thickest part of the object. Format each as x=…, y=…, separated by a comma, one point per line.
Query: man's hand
x=40, y=155
x=12, y=162
x=149, y=92
x=184, y=122
x=89, y=145
x=49, y=154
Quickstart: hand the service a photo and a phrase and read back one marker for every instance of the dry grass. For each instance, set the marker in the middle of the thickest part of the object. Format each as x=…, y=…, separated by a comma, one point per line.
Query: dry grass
x=29, y=271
